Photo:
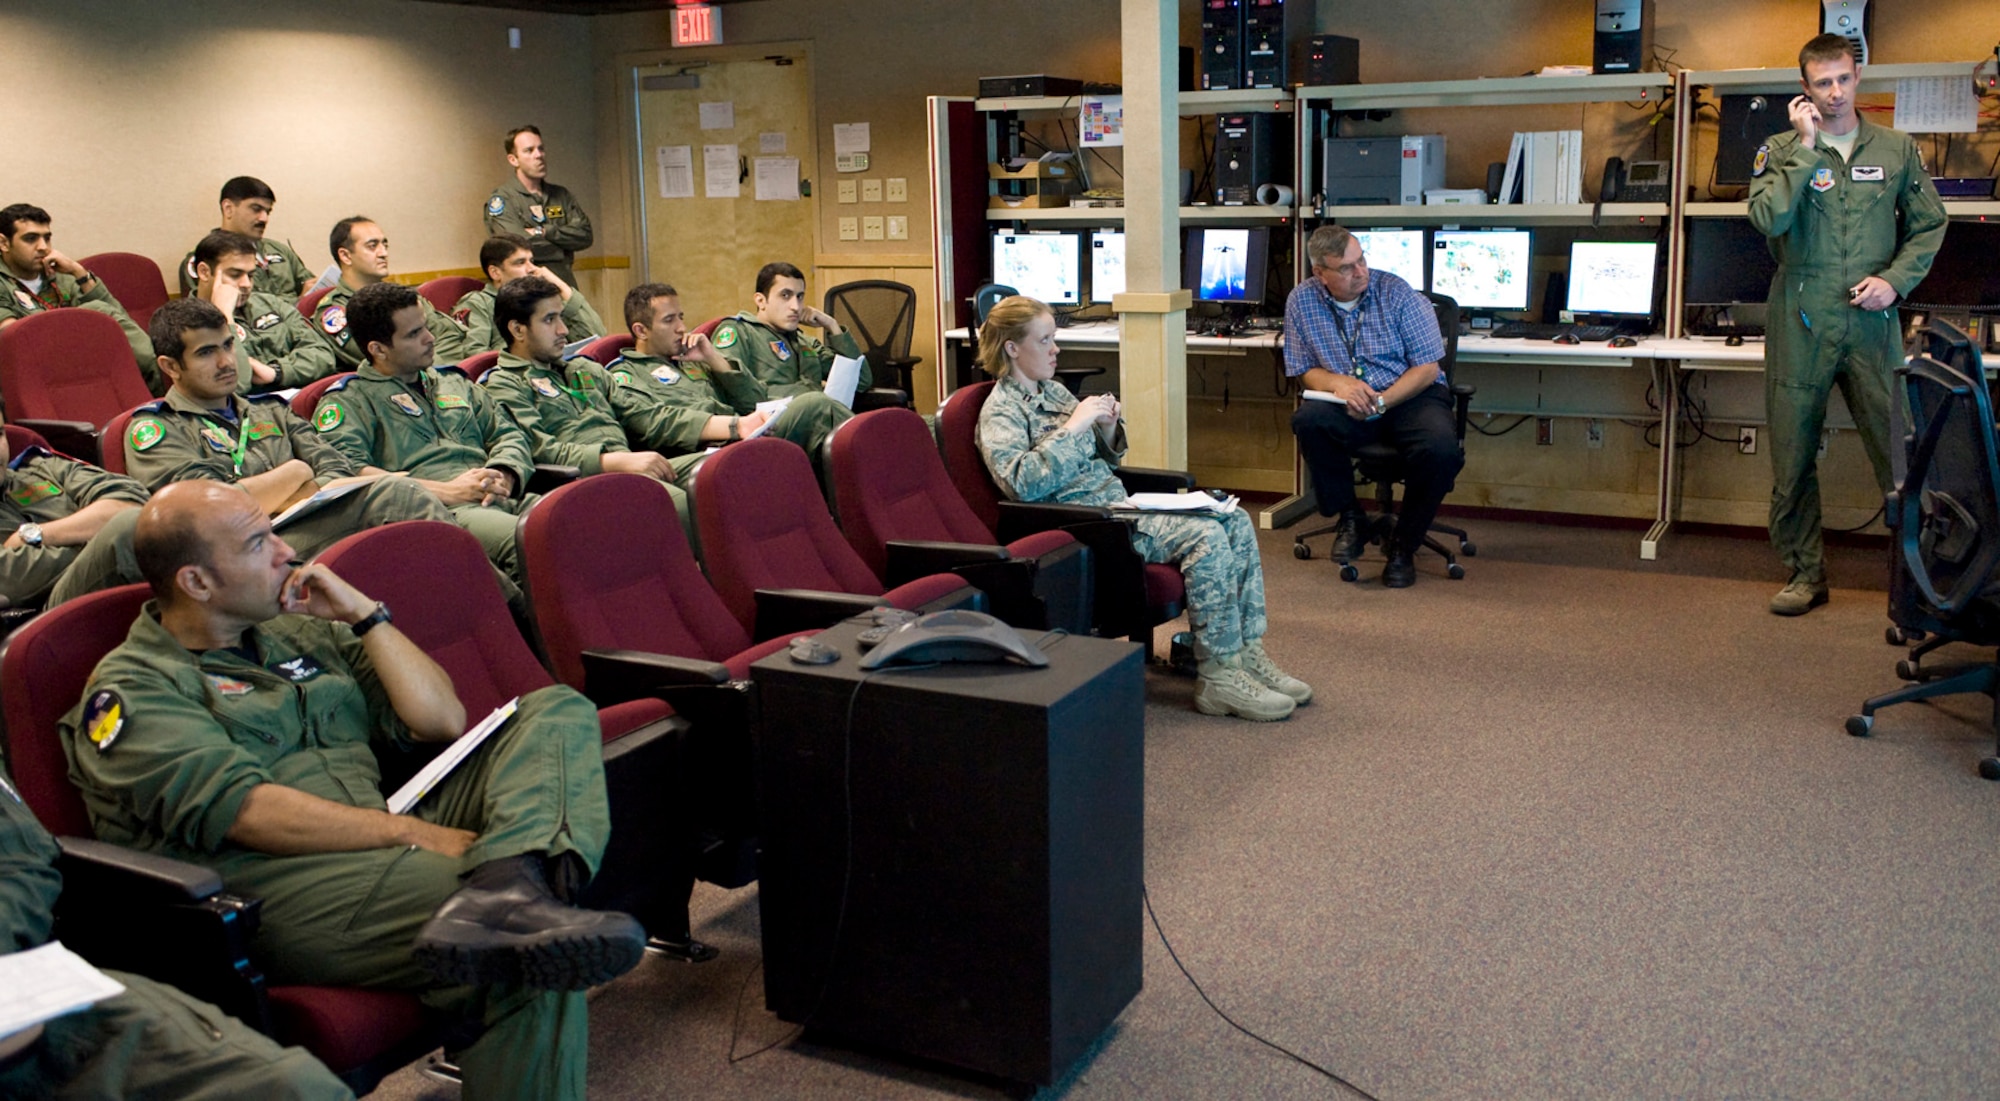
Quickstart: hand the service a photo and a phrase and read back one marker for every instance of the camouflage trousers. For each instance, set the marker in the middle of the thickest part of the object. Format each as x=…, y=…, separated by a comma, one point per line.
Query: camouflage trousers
x=1217, y=556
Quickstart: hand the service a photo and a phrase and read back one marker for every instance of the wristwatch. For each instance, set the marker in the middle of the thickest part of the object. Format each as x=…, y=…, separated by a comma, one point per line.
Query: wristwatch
x=373, y=619
x=735, y=428
x=30, y=533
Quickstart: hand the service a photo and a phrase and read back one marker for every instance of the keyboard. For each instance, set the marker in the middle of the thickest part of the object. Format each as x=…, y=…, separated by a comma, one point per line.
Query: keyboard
x=1531, y=330
x=1747, y=332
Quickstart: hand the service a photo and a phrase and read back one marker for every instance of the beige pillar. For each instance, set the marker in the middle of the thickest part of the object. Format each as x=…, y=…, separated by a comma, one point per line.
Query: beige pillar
x=1152, y=346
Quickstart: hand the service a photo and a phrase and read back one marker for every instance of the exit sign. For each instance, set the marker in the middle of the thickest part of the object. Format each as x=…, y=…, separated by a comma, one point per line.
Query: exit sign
x=697, y=25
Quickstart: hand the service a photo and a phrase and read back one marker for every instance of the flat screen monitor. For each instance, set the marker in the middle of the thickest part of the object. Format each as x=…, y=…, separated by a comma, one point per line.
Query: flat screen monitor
x=1483, y=269
x=1107, y=264
x=1047, y=266
x=1227, y=265
x=1966, y=271
x=1613, y=277
x=1729, y=263
x=1399, y=252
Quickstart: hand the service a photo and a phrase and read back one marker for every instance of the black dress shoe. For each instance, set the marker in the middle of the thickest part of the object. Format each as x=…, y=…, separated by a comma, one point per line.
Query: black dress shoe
x=505, y=926
x=1401, y=572
x=1350, y=540
x=685, y=950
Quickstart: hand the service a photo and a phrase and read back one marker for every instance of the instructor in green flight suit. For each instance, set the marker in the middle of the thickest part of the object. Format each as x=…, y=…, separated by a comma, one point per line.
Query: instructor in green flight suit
x=670, y=388
x=204, y=429
x=1854, y=221
x=545, y=213
x=504, y=259
x=69, y=528
x=236, y=727
x=35, y=277
x=276, y=343
x=399, y=413
x=247, y=203
x=769, y=349
x=362, y=250
x=150, y=1041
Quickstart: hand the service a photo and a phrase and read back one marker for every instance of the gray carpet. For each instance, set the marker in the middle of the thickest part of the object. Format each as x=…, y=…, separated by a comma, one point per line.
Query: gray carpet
x=1576, y=826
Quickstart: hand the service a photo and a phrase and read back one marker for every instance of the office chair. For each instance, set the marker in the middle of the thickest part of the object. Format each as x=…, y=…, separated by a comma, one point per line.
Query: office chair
x=882, y=315
x=134, y=280
x=65, y=374
x=1945, y=525
x=1381, y=465
x=989, y=296
x=445, y=291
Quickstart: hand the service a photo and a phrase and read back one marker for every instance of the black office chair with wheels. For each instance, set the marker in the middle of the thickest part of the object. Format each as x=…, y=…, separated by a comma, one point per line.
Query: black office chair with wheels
x=989, y=296
x=1381, y=465
x=1946, y=525
x=882, y=315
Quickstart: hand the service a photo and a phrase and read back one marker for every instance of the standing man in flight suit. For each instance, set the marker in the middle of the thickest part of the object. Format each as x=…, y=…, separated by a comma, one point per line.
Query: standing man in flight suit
x=1854, y=221
x=362, y=250
x=35, y=277
x=205, y=428
x=528, y=205
x=276, y=343
x=775, y=358
x=247, y=203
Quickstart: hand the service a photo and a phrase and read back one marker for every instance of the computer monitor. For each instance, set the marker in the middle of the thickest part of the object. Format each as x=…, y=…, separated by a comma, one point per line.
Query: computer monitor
x=1613, y=277
x=1729, y=263
x=1227, y=265
x=1048, y=266
x=1399, y=252
x=1107, y=264
x=1965, y=272
x=1482, y=269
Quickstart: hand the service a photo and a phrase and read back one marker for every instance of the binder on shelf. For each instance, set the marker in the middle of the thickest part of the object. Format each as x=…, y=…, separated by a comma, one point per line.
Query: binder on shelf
x=1510, y=183
x=1542, y=168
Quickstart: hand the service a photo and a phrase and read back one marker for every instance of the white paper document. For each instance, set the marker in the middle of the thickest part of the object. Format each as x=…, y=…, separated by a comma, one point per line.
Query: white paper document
x=770, y=409
x=777, y=179
x=1102, y=121
x=676, y=163
x=771, y=142
x=333, y=492
x=841, y=381
x=46, y=982
x=850, y=137
x=1177, y=502
x=1936, y=105
x=433, y=774
x=718, y=116
x=721, y=172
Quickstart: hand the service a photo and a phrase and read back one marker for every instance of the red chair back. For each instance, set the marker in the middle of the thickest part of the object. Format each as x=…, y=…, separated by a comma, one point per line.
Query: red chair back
x=445, y=291
x=707, y=327
x=607, y=348
x=111, y=453
x=306, y=401
x=68, y=365
x=310, y=302
x=43, y=669
x=649, y=596
x=888, y=483
x=764, y=525
x=134, y=280
x=20, y=439
x=958, y=437
x=477, y=365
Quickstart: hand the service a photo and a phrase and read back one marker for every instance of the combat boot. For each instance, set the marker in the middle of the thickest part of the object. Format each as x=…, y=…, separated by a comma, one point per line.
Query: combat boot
x=1226, y=689
x=1799, y=597
x=506, y=926
x=1262, y=669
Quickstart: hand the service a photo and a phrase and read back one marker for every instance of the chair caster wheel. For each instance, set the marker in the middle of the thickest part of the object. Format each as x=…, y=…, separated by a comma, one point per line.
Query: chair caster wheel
x=1895, y=637
x=1989, y=768
x=1907, y=670
x=1860, y=726
x=1455, y=571
x=1466, y=548
x=1301, y=552
x=1349, y=573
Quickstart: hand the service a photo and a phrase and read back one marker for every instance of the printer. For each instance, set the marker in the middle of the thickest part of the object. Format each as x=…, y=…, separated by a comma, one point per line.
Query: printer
x=1382, y=171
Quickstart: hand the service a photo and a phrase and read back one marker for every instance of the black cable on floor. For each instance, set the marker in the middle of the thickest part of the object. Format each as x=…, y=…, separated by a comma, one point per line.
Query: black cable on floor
x=1280, y=1049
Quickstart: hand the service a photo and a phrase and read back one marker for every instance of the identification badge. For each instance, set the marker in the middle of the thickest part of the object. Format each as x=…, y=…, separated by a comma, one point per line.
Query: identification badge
x=265, y=322
x=545, y=388
x=228, y=686
x=1823, y=179
x=1867, y=173
x=104, y=719
x=217, y=438
x=27, y=300
x=301, y=668
x=781, y=349
x=535, y=212
x=407, y=404
x=666, y=374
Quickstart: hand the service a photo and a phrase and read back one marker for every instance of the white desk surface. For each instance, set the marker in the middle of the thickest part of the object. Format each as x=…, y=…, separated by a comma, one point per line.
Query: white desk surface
x=1475, y=346
x=1104, y=334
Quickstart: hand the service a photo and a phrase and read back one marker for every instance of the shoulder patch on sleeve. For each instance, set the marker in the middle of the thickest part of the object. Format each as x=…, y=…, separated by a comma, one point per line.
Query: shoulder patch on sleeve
x=104, y=718
x=1762, y=161
x=333, y=319
x=328, y=416
x=725, y=336
x=144, y=433
x=496, y=206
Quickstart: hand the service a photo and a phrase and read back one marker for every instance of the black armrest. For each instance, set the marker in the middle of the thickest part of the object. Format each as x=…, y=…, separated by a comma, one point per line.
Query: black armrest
x=77, y=439
x=548, y=476
x=137, y=876
x=790, y=611
x=700, y=691
x=911, y=559
x=1139, y=479
x=1461, y=397
x=881, y=397
x=1023, y=518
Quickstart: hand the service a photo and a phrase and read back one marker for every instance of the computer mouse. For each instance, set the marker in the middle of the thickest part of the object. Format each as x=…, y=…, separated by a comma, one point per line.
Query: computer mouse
x=1734, y=340
x=811, y=651
x=1623, y=342
x=1568, y=338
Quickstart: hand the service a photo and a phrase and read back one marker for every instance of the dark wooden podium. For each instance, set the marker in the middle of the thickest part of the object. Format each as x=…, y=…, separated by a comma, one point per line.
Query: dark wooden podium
x=992, y=913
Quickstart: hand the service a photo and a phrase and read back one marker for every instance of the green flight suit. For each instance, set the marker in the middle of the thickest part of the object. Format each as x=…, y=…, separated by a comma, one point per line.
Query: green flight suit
x=567, y=412
x=279, y=271
x=271, y=328
x=150, y=1041
x=61, y=290
x=1833, y=223
x=437, y=424
x=475, y=313
x=773, y=364
x=167, y=744
x=330, y=319
x=551, y=219
x=176, y=439
x=665, y=405
x=42, y=486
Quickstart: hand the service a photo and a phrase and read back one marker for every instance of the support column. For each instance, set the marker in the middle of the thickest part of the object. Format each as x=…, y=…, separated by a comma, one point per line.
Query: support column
x=1152, y=345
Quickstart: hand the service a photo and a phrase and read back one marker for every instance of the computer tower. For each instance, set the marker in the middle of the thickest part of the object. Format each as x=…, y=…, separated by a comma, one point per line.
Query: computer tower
x=1269, y=29
x=1247, y=157
x=1624, y=36
x=1853, y=20
x=1322, y=59
x=1221, y=44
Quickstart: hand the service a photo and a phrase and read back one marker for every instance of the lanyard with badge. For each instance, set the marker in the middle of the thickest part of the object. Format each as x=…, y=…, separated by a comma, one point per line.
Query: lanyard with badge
x=1351, y=340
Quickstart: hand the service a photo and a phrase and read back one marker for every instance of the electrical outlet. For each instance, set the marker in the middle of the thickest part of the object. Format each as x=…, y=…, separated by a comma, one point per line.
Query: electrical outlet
x=899, y=227
x=1545, y=431
x=846, y=192
x=1593, y=434
x=1746, y=439
x=850, y=229
x=898, y=190
x=871, y=190
x=871, y=228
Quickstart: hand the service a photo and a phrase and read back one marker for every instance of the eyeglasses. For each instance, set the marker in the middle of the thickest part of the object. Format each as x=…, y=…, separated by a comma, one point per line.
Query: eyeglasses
x=1344, y=269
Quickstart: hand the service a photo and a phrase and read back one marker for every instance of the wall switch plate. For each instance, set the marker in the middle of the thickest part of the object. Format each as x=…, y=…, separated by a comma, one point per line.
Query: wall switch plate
x=1545, y=431
x=899, y=227
x=898, y=190
x=850, y=229
x=871, y=228
x=846, y=191
x=1593, y=433
x=871, y=190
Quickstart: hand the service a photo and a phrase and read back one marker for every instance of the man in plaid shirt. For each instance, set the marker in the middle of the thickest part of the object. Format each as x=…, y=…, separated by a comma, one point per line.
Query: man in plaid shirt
x=1372, y=342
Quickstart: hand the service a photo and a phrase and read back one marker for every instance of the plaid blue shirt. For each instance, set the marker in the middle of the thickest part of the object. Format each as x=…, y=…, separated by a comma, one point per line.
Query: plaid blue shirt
x=1393, y=329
